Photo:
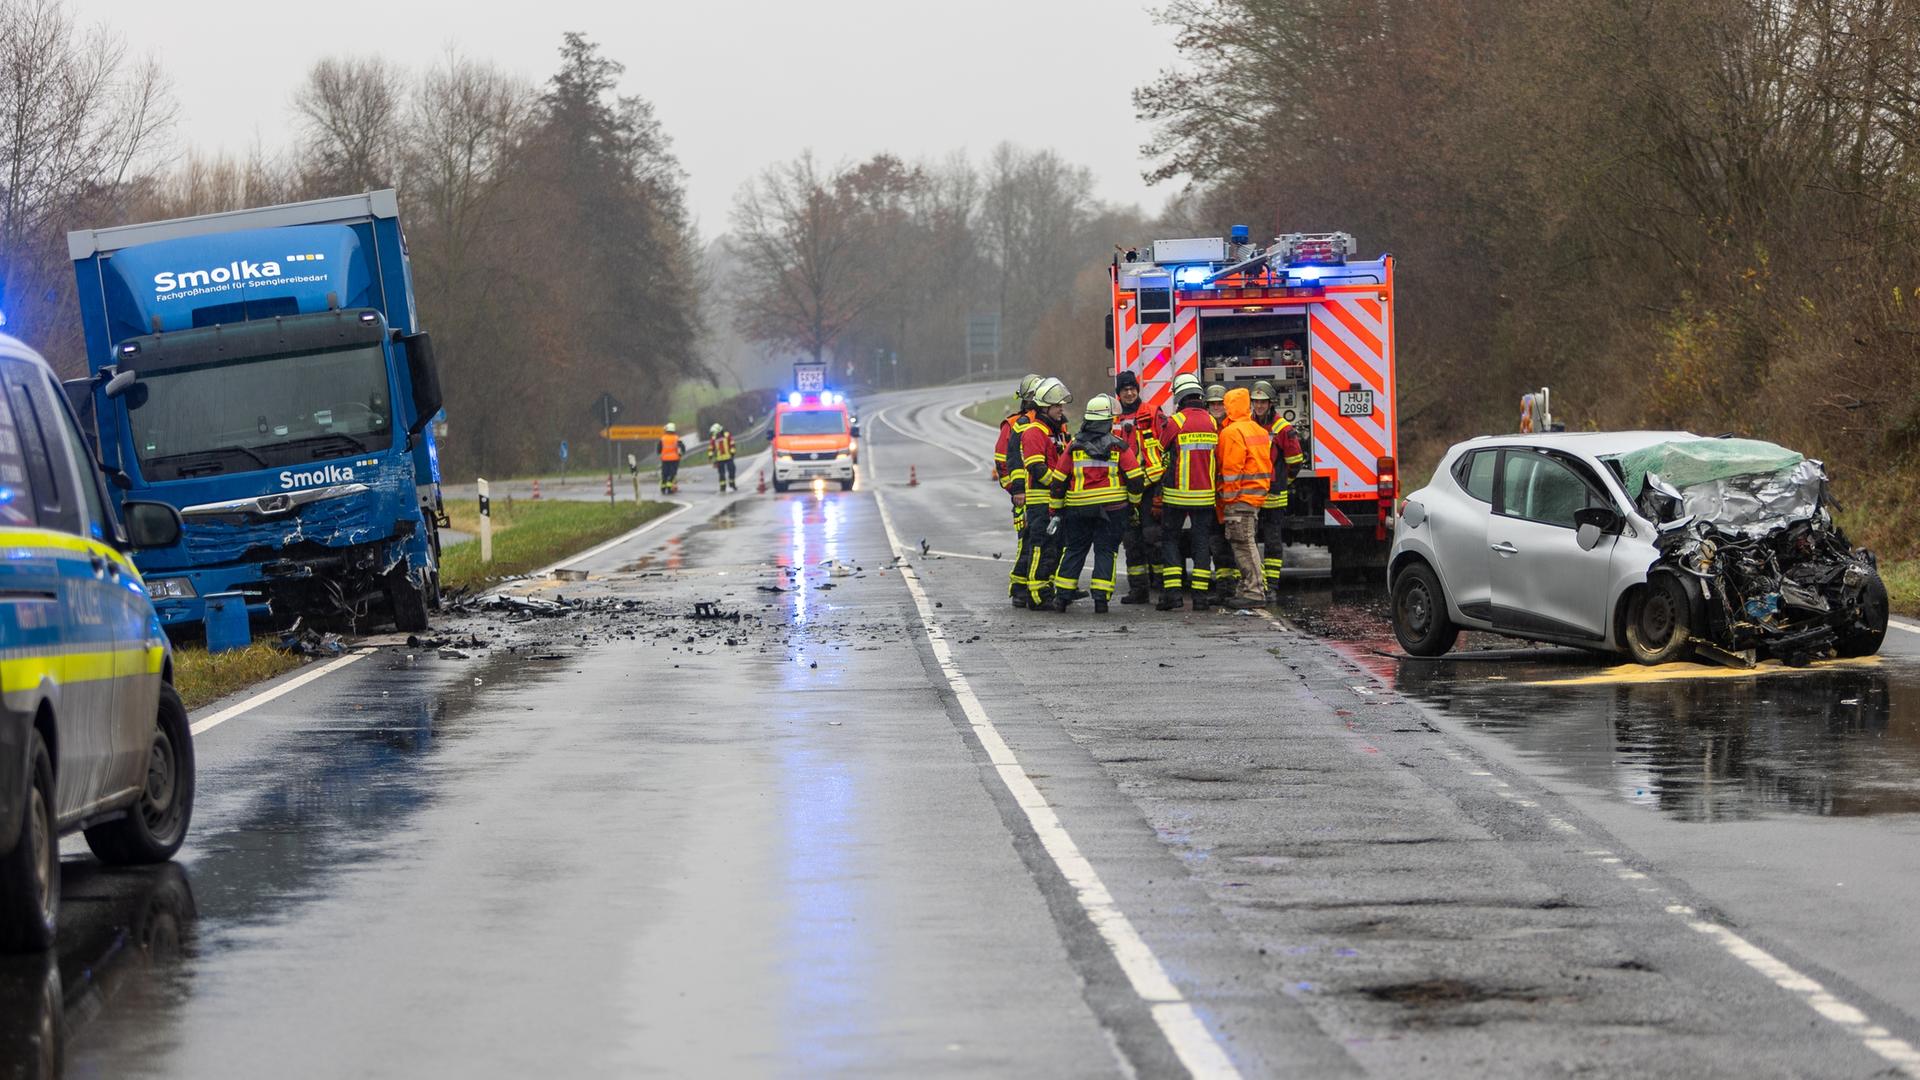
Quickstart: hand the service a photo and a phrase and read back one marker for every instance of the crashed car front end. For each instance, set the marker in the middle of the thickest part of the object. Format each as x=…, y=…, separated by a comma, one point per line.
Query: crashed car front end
x=1773, y=575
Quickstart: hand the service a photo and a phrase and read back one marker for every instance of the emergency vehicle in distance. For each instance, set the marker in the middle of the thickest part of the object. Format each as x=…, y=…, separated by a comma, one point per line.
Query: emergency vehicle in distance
x=813, y=433
x=1308, y=318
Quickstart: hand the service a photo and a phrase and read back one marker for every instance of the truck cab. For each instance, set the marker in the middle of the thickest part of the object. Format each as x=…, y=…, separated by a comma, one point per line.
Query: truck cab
x=262, y=372
x=813, y=439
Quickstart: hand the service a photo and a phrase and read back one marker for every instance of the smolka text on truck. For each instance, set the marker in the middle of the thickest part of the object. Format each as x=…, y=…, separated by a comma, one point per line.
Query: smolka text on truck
x=265, y=372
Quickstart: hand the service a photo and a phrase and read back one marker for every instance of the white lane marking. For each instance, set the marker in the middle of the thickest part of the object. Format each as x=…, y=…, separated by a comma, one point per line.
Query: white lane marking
x=1197, y=1047
x=1897, y=1052
x=974, y=462
x=680, y=508
x=282, y=690
x=1902, y=624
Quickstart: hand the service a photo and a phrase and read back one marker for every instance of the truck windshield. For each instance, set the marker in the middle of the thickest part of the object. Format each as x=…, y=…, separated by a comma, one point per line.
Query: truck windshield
x=816, y=422
x=261, y=412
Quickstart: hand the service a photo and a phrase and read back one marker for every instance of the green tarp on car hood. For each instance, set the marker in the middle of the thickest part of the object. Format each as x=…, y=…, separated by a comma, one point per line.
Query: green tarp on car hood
x=1686, y=462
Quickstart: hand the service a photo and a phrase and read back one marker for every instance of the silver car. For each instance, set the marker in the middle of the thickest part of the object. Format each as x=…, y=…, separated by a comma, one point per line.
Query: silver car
x=1577, y=539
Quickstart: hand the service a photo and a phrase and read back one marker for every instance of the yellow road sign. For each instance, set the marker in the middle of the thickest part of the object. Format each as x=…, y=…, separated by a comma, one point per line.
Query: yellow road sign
x=624, y=432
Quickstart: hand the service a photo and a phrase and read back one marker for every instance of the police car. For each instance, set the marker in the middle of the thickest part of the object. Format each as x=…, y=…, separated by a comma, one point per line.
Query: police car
x=92, y=735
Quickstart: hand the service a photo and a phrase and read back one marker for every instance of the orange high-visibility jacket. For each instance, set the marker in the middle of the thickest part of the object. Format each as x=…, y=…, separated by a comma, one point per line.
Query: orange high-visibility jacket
x=669, y=448
x=1246, y=454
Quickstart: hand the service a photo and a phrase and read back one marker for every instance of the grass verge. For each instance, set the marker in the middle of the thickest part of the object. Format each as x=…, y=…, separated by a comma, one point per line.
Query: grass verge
x=531, y=535
x=203, y=677
x=991, y=411
x=1903, y=585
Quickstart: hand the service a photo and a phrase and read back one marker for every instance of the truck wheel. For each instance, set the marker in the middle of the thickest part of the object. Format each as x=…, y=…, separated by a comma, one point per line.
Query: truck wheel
x=1659, y=618
x=847, y=484
x=156, y=825
x=780, y=487
x=30, y=873
x=1863, y=638
x=409, y=602
x=1420, y=617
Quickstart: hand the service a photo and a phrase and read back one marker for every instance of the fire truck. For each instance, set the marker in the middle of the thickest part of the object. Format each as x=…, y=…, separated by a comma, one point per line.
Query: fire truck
x=1304, y=315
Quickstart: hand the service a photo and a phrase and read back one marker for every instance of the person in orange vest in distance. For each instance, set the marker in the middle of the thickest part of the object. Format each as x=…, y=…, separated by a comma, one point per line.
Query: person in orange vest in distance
x=720, y=452
x=1039, y=454
x=1006, y=476
x=1187, y=494
x=1098, y=479
x=1246, y=473
x=1288, y=456
x=669, y=462
x=1226, y=576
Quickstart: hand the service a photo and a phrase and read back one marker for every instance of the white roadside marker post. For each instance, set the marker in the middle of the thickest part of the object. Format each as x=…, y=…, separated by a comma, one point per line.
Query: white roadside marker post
x=486, y=524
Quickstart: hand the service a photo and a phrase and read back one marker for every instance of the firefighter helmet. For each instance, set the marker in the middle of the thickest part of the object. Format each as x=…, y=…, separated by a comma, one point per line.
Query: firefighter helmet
x=1216, y=393
x=1099, y=407
x=1184, y=387
x=714, y=430
x=1051, y=392
x=1028, y=385
x=670, y=428
x=1263, y=391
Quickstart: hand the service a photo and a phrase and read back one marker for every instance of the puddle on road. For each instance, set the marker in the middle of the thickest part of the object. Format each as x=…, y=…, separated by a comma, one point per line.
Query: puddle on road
x=1698, y=743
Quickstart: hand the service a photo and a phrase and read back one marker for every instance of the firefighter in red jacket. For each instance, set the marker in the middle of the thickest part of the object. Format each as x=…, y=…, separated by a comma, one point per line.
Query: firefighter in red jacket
x=1187, y=493
x=1288, y=456
x=1140, y=424
x=1034, y=477
x=1004, y=474
x=1098, y=478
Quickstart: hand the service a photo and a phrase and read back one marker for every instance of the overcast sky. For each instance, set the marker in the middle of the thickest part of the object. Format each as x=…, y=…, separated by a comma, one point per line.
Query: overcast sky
x=738, y=85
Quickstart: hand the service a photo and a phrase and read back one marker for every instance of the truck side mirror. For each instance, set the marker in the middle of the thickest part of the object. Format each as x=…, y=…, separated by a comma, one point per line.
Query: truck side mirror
x=424, y=379
x=151, y=524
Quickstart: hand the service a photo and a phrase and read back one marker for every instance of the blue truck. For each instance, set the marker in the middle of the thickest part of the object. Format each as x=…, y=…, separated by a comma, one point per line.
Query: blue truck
x=264, y=371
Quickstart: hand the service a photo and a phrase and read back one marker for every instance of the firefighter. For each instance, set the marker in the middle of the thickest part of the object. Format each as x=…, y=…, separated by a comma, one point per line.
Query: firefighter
x=1187, y=493
x=1226, y=575
x=670, y=462
x=720, y=452
x=1098, y=478
x=1039, y=456
x=1246, y=473
x=1288, y=456
x=1140, y=424
x=1006, y=476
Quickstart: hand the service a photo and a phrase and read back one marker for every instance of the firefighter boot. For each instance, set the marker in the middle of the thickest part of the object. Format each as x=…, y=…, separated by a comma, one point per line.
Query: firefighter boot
x=1136, y=593
x=1100, y=605
x=1170, y=599
x=1060, y=602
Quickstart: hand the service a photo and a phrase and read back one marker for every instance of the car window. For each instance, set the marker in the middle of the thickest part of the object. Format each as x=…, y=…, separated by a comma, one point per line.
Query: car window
x=16, y=497
x=80, y=453
x=47, y=476
x=1474, y=473
x=1544, y=489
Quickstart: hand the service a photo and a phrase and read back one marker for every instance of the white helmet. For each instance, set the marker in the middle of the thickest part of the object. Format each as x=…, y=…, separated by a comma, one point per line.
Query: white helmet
x=1099, y=407
x=714, y=430
x=670, y=428
x=1051, y=392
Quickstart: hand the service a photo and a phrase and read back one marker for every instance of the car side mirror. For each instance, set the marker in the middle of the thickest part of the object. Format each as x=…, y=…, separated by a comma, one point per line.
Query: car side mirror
x=1590, y=523
x=151, y=524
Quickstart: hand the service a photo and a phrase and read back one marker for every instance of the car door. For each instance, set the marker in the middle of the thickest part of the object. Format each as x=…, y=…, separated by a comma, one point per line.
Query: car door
x=1543, y=584
x=1459, y=523
x=85, y=709
x=138, y=646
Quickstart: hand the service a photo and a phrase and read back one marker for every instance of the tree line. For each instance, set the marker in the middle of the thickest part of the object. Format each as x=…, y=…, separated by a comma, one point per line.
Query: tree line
x=1678, y=213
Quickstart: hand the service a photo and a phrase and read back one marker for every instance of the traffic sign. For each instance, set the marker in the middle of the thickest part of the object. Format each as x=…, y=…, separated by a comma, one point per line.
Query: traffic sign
x=624, y=432
x=563, y=449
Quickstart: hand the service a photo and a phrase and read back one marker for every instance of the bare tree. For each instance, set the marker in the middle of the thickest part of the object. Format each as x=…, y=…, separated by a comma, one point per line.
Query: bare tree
x=78, y=121
x=351, y=110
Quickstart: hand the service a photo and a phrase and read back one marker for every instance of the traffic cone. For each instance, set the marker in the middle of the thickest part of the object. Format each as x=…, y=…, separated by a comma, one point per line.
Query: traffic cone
x=762, y=489
x=609, y=491
x=536, y=487
x=913, y=476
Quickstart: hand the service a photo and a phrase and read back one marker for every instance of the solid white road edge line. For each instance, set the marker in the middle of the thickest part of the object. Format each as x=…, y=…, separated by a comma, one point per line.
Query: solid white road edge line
x=288, y=687
x=1185, y=1031
x=1902, y=624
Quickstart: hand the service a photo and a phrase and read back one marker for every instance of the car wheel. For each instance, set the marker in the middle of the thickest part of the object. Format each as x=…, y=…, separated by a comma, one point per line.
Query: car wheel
x=1863, y=638
x=847, y=484
x=1420, y=617
x=1659, y=621
x=156, y=825
x=409, y=602
x=30, y=873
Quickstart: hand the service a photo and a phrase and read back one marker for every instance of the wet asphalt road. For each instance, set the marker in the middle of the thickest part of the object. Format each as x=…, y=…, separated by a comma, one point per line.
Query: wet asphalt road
x=631, y=842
